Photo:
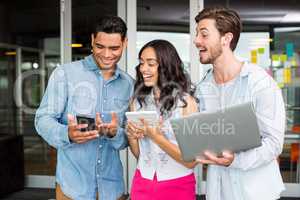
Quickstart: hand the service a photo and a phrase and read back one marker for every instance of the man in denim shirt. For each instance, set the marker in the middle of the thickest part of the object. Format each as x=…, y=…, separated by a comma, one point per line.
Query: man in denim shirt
x=88, y=163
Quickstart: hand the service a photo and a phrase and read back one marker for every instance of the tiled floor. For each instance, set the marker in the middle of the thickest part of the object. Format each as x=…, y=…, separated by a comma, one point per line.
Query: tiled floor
x=31, y=194
x=49, y=194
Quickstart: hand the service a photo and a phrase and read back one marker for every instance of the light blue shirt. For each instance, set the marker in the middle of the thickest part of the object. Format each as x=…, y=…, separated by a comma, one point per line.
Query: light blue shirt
x=79, y=88
x=254, y=174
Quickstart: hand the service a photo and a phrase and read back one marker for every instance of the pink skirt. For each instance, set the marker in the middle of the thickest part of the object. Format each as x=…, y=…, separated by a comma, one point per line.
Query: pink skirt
x=182, y=188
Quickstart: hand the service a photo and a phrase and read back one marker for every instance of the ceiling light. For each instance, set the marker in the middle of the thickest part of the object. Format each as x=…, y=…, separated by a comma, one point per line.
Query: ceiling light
x=77, y=45
x=35, y=65
x=291, y=18
x=10, y=53
x=286, y=29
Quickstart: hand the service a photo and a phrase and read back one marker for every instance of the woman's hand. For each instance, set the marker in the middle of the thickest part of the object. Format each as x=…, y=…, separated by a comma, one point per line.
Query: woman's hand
x=150, y=130
x=133, y=131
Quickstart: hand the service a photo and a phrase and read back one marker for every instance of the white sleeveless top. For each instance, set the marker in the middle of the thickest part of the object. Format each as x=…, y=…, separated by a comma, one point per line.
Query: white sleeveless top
x=152, y=158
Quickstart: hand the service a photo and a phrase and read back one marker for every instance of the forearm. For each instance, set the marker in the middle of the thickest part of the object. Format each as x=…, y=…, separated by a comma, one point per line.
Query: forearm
x=134, y=147
x=172, y=150
x=50, y=113
x=253, y=158
x=52, y=131
x=270, y=112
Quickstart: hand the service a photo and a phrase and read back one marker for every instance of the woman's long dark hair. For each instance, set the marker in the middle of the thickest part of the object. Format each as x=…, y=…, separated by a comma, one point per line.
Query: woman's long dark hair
x=173, y=81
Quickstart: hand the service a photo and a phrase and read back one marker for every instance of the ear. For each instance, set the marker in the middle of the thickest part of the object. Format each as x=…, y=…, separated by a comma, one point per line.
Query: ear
x=226, y=39
x=125, y=42
x=92, y=40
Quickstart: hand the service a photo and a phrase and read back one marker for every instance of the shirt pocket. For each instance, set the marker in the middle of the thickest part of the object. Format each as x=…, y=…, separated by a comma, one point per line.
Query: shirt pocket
x=120, y=105
x=240, y=99
x=117, y=105
x=82, y=104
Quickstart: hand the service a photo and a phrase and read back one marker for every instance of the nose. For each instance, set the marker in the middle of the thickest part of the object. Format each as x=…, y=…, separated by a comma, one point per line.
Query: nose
x=143, y=67
x=196, y=41
x=107, y=53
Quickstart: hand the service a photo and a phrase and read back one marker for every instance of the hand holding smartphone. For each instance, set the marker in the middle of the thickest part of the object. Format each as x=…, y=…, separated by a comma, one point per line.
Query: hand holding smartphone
x=81, y=129
x=84, y=119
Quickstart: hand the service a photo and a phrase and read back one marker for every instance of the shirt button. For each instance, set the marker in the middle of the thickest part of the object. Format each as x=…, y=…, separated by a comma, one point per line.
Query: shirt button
x=102, y=115
x=99, y=161
x=100, y=146
x=97, y=175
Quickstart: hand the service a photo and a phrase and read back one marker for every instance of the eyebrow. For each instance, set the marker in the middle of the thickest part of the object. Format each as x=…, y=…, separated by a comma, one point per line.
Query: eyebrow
x=203, y=29
x=149, y=59
x=98, y=44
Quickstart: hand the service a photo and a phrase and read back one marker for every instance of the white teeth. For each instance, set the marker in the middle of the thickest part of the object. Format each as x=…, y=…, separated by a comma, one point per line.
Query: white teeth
x=146, y=76
x=201, y=48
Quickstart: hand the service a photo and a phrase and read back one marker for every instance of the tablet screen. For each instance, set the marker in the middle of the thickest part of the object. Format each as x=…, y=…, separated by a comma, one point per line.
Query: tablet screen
x=150, y=116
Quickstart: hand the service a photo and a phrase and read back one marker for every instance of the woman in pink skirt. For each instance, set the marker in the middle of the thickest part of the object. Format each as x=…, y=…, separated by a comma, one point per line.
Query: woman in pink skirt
x=162, y=86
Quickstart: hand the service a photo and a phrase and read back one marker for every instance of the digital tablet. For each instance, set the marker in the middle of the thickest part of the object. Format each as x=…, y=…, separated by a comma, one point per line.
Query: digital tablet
x=234, y=129
x=150, y=116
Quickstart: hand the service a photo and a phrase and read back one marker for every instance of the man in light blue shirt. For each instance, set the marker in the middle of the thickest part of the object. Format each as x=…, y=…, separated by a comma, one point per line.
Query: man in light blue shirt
x=88, y=162
x=252, y=174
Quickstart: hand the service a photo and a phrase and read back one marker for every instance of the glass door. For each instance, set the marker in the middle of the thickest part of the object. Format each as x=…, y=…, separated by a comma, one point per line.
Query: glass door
x=7, y=76
x=22, y=82
x=285, y=69
x=39, y=156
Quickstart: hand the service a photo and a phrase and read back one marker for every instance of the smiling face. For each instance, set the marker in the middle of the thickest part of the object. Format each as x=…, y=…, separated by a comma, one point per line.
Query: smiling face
x=107, y=49
x=208, y=41
x=148, y=67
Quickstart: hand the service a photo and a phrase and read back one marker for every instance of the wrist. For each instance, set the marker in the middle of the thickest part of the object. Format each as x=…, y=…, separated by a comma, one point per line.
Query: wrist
x=155, y=136
x=112, y=133
x=132, y=140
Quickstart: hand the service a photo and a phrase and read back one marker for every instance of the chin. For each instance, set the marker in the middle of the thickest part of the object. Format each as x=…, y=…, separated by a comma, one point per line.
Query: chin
x=106, y=67
x=147, y=84
x=207, y=61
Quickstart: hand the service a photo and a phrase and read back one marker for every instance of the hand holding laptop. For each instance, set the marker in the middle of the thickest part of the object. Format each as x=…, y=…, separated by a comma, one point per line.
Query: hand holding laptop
x=225, y=159
x=213, y=135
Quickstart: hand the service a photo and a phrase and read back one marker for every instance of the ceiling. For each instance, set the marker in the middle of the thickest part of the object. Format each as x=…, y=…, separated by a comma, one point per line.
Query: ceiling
x=44, y=15
x=32, y=19
x=254, y=11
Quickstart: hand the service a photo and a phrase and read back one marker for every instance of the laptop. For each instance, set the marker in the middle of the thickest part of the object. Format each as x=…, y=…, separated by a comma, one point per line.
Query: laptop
x=234, y=129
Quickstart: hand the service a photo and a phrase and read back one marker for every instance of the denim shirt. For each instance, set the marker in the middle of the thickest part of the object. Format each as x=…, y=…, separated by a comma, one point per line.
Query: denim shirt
x=79, y=88
x=254, y=174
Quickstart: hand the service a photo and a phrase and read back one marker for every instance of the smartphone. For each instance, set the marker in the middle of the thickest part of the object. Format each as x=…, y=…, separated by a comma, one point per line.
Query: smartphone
x=83, y=119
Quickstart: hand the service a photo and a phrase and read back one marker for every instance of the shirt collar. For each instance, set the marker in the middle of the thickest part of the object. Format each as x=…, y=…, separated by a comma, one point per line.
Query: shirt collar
x=245, y=71
x=90, y=64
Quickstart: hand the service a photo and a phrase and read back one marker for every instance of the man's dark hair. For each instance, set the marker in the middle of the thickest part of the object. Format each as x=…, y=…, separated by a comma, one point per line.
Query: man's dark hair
x=111, y=24
x=226, y=21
